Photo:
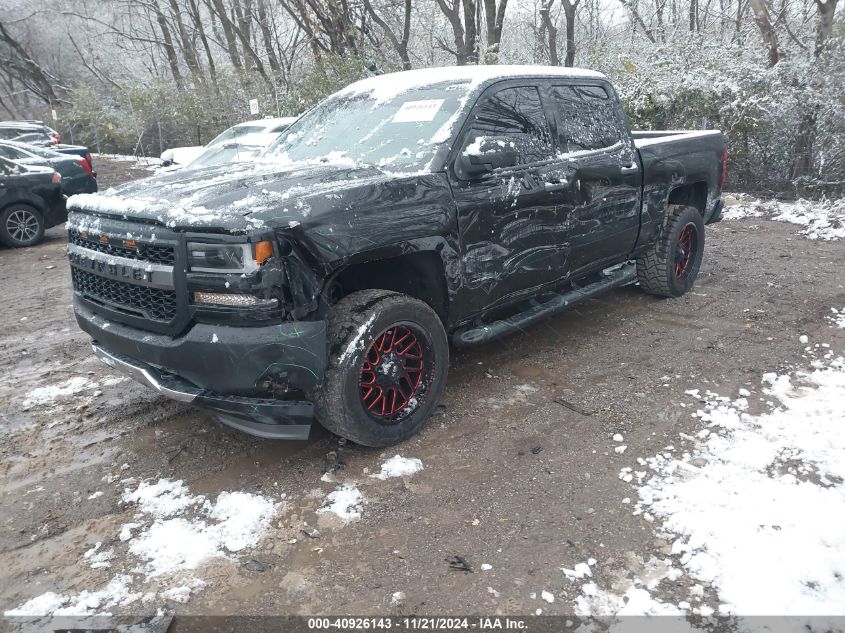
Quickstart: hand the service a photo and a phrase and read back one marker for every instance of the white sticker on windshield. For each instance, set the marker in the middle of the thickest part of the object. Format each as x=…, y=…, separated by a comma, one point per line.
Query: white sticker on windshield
x=416, y=111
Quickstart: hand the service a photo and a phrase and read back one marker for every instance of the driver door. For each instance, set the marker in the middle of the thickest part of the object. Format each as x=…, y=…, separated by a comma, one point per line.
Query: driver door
x=513, y=238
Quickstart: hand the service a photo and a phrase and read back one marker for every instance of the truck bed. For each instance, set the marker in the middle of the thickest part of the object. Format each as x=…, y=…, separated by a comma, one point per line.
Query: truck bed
x=672, y=156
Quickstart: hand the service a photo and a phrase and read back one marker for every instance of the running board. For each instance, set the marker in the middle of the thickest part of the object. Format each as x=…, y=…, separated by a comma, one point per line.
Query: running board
x=470, y=335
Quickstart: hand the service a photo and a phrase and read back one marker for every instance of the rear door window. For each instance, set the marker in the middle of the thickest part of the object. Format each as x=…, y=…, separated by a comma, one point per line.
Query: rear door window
x=514, y=116
x=588, y=118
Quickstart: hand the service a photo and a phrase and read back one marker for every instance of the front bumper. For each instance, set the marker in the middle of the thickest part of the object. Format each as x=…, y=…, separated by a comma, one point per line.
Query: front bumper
x=221, y=368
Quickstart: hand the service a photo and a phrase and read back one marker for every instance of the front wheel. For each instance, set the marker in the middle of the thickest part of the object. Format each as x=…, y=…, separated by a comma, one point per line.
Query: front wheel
x=21, y=225
x=387, y=368
x=670, y=266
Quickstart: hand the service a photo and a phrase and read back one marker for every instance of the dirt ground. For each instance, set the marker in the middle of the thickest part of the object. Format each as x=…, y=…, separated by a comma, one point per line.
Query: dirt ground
x=520, y=471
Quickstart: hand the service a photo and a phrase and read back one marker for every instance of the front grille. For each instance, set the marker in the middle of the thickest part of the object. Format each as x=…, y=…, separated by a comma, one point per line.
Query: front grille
x=154, y=253
x=141, y=301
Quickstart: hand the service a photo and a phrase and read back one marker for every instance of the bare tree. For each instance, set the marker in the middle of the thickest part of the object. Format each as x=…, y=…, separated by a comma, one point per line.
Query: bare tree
x=461, y=15
x=550, y=27
x=767, y=29
x=20, y=65
x=824, y=24
x=400, y=41
x=494, y=16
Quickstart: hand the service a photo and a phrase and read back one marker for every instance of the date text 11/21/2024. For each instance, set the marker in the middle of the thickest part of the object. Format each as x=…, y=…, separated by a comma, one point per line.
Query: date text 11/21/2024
x=418, y=623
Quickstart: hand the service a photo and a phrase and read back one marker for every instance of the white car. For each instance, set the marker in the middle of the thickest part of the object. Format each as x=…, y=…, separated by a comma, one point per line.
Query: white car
x=236, y=150
x=180, y=156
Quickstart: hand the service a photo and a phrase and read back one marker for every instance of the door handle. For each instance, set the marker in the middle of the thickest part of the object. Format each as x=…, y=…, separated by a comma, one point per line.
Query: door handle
x=630, y=169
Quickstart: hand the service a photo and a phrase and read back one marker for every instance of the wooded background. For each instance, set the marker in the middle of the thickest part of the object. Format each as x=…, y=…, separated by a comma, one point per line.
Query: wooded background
x=139, y=76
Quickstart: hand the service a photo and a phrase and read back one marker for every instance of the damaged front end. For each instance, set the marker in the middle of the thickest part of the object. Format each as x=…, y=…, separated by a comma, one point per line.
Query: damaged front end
x=226, y=322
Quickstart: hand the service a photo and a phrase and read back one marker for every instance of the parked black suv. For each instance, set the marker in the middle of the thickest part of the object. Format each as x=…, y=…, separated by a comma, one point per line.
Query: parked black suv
x=403, y=212
x=31, y=201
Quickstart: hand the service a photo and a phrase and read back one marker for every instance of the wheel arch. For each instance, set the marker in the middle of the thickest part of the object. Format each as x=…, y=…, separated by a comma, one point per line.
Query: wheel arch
x=420, y=274
x=24, y=200
x=692, y=194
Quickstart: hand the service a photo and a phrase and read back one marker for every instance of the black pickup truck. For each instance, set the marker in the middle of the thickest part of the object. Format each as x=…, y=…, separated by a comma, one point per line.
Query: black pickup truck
x=407, y=211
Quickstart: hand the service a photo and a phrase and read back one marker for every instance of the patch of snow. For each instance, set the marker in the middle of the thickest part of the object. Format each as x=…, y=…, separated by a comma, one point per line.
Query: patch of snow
x=163, y=498
x=581, y=570
x=98, y=559
x=822, y=220
x=235, y=521
x=838, y=318
x=345, y=502
x=547, y=596
x=398, y=466
x=115, y=593
x=767, y=483
x=632, y=596
x=357, y=340
x=69, y=387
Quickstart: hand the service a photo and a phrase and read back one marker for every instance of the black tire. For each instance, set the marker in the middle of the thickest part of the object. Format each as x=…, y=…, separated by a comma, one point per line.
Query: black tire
x=670, y=266
x=371, y=371
x=21, y=225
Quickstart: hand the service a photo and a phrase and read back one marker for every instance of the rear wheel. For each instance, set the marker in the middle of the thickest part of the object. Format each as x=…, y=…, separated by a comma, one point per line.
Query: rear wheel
x=21, y=225
x=387, y=368
x=670, y=266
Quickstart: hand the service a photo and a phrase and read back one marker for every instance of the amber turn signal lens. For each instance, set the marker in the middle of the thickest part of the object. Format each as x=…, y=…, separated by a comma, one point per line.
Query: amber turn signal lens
x=263, y=252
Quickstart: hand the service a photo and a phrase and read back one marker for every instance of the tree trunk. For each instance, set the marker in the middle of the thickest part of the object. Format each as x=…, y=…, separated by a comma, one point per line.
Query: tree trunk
x=188, y=50
x=267, y=36
x=199, y=29
x=824, y=25
x=802, y=152
x=399, y=45
x=551, y=28
x=228, y=32
x=169, y=48
x=569, y=9
x=471, y=30
x=453, y=14
x=767, y=29
x=494, y=16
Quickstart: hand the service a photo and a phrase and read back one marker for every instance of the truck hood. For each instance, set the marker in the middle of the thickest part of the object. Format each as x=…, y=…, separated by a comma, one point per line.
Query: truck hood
x=234, y=198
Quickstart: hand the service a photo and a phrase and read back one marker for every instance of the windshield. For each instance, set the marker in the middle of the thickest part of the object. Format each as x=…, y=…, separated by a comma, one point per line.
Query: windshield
x=234, y=132
x=398, y=133
x=223, y=154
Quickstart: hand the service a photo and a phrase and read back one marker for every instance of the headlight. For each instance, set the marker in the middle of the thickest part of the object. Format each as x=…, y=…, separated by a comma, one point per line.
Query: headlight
x=227, y=258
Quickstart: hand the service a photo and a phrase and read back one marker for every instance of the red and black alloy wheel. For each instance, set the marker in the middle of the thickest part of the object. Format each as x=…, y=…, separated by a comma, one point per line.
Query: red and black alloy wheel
x=685, y=250
x=387, y=367
x=393, y=373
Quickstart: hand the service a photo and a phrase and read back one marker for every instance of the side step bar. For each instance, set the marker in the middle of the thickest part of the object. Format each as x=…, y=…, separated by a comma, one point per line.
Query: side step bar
x=470, y=335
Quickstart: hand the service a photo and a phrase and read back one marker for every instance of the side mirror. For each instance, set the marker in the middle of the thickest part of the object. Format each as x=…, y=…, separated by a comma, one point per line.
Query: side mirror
x=487, y=153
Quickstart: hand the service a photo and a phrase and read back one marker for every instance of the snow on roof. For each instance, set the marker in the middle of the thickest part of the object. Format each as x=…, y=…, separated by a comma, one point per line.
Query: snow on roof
x=385, y=87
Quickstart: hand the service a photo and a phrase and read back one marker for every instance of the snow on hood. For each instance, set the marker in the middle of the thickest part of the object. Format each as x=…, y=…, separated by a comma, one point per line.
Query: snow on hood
x=237, y=197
